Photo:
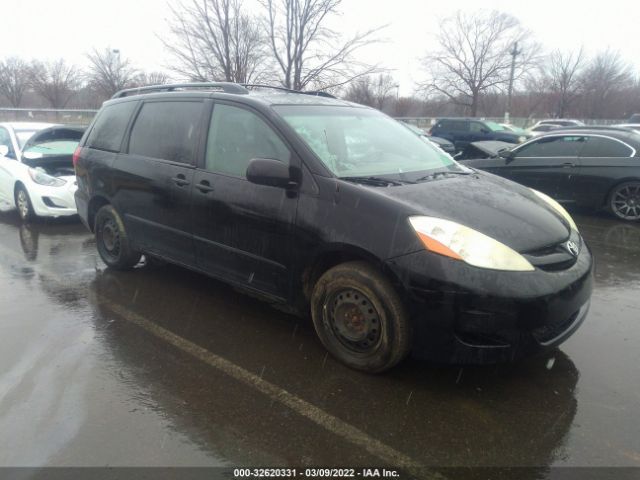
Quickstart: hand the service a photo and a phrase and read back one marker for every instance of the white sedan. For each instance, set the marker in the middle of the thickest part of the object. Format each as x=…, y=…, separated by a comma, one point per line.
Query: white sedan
x=36, y=168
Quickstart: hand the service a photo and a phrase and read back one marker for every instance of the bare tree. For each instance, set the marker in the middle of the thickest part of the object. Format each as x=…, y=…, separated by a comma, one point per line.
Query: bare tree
x=473, y=56
x=151, y=78
x=108, y=72
x=562, y=73
x=371, y=91
x=14, y=79
x=607, y=74
x=214, y=40
x=55, y=81
x=306, y=51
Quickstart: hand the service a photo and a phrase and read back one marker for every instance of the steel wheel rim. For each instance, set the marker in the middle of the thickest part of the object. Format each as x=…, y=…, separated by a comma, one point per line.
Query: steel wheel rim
x=23, y=203
x=354, y=320
x=625, y=202
x=111, y=238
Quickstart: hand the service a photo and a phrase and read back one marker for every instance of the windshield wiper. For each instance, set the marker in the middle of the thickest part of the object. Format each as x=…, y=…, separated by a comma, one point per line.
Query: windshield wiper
x=435, y=175
x=375, y=181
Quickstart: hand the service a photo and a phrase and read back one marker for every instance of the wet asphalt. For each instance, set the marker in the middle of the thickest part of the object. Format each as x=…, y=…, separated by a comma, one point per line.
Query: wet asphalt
x=164, y=367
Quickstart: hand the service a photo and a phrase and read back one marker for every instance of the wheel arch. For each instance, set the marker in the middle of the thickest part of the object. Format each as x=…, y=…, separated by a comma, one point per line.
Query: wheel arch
x=95, y=204
x=617, y=182
x=336, y=254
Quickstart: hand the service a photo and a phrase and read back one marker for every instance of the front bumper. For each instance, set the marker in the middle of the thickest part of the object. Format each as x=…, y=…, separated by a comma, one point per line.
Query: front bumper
x=53, y=201
x=467, y=315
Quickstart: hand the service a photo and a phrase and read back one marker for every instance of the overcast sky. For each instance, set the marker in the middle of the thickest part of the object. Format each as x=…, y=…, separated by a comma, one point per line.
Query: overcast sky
x=49, y=29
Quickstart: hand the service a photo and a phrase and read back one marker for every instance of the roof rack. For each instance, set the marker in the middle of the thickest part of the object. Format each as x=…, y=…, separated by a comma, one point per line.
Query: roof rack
x=226, y=87
x=315, y=93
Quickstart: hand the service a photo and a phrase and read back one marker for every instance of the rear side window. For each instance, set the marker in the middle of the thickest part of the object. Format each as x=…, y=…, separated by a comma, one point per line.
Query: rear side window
x=605, y=147
x=110, y=125
x=237, y=136
x=167, y=130
x=568, y=146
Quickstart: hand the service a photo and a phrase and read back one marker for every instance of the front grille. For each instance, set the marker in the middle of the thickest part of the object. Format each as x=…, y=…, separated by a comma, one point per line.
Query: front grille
x=555, y=257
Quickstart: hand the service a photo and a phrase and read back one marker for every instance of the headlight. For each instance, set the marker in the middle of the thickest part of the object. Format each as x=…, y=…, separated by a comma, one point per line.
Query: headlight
x=44, y=179
x=557, y=207
x=463, y=243
x=521, y=139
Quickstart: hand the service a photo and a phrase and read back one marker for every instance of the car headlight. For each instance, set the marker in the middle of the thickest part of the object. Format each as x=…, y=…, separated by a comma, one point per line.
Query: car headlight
x=42, y=178
x=557, y=207
x=521, y=138
x=463, y=243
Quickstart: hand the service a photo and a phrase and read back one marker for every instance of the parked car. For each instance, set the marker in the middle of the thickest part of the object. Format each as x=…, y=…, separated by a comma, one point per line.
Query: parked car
x=486, y=149
x=632, y=126
x=462, y=131
x=338, y=211
x=516, y=130
x=635, y=118
x=595, y=167
x=563, y=122
x=36, y=170
x=442, y=143
x=544, y=128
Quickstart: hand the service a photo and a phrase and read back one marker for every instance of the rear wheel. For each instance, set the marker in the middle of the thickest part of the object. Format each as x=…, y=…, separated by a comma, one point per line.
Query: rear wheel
x=624, y=201
x=23, y=204
x=112, y=240
x=359, y=317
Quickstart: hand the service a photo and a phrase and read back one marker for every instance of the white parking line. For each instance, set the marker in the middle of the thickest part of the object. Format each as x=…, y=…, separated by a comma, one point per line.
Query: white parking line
x=387, y=454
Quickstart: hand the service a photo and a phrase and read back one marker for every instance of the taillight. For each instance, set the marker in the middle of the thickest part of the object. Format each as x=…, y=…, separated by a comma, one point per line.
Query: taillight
x=76, y=156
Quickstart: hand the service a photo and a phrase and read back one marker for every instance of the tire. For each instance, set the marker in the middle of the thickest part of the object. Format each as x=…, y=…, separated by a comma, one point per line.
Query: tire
x=24, y=205
x=112, y=240
x=359, y=317
x=624, y=201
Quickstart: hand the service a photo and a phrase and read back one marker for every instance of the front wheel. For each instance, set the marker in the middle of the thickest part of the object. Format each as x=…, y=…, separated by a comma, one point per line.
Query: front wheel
x=112, y=240
x=359, y=317
x=624, y=201
x=24, y=205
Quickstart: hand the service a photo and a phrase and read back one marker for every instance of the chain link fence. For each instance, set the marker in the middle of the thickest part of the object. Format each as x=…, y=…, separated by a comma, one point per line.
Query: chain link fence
x=47, y=115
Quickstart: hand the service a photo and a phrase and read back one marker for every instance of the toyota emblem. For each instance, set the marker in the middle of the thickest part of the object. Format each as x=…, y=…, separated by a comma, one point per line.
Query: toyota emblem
x=572, y=248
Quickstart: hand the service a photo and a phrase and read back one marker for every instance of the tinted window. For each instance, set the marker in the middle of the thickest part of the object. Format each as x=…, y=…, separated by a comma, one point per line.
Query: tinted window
x=477, y=127
x=605, y=147
x=236, y=136
x=109, y=127
x=4, y=138
x=166, y=130
x=453, y=125
x=552, y=147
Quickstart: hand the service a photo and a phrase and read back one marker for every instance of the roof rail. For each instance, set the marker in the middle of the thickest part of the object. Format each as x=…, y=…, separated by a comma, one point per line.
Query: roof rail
x=316, y=93
x=594, y=127
x=226, y=87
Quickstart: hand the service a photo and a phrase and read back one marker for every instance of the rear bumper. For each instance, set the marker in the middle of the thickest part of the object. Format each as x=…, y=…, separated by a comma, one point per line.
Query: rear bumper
x=466, y=315
x=82, y=207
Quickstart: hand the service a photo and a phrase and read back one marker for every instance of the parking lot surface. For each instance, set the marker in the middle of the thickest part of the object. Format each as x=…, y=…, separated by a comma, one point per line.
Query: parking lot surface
x=161, y=366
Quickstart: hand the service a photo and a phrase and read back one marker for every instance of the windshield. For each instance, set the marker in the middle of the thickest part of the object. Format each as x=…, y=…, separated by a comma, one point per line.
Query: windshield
x=354, y=142
x=495, y=127
x=54, y=147
x=23, y=136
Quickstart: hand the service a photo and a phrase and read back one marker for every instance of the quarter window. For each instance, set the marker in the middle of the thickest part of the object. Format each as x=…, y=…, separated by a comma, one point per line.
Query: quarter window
x=109, y=127
x=568, y=146
x=166, y=130
x=605, y=147
x=236, y=136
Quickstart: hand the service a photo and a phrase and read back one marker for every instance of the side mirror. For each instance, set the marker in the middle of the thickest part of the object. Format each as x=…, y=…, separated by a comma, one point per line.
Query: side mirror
x=507, y=155
x=4, y=150
x=266, y=171
x=484, y=130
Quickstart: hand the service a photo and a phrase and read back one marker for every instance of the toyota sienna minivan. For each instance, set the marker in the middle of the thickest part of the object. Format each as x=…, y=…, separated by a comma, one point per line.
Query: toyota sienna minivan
x=336, y=211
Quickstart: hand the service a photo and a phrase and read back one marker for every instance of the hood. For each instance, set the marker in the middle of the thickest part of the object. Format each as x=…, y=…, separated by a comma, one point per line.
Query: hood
x=499, y=208
x=491, y=148
x=57, y=132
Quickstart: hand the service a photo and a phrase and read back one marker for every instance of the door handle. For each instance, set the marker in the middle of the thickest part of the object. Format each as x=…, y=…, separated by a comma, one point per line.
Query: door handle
x=204, y=187
x=568, y=165
x=180, y=180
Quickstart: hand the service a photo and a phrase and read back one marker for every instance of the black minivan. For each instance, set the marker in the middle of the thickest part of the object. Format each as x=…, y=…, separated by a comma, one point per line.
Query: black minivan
x=336, y=210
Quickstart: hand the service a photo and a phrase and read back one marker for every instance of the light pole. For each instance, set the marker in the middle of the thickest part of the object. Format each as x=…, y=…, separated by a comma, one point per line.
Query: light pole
x=514, y=53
